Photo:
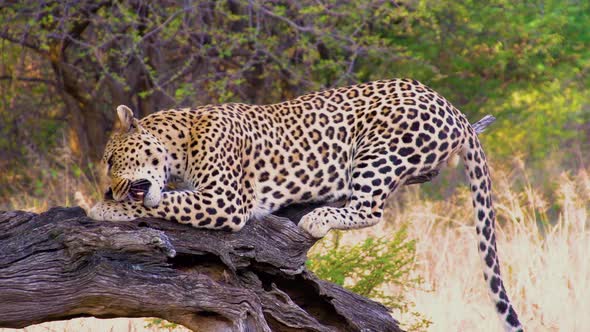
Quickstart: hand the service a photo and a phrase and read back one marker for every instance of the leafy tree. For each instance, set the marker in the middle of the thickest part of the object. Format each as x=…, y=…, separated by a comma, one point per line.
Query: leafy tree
x=157, y=54
x=65, y=65
x=524, y=62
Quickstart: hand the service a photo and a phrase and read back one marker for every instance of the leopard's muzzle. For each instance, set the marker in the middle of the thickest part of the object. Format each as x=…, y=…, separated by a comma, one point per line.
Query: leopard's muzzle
x=126, y=189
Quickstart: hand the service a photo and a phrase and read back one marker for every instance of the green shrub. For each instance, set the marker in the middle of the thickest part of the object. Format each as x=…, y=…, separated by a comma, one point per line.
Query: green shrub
x=159, y=323
x=369, y=267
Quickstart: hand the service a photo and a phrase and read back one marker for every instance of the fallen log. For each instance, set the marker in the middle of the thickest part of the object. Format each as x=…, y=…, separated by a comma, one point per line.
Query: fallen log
x=60, y=265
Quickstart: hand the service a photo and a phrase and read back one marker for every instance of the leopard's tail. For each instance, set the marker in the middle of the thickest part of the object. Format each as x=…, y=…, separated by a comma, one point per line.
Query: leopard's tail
x=476, y=167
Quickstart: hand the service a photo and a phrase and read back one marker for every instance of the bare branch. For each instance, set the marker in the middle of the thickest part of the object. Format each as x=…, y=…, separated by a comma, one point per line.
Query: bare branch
x=28, y=79
x=6, y=36
x=294, y=25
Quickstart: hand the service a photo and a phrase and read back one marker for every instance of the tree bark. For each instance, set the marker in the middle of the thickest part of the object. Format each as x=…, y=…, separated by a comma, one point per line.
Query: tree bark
x=60, y=265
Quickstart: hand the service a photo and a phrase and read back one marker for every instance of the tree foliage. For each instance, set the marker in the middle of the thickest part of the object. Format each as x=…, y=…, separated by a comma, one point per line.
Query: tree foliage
x=65, y=65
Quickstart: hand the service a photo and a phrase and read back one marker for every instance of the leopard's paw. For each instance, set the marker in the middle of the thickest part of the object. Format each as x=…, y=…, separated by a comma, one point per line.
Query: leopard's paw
x=314, y=225
x=109, y=210
x=96, y=212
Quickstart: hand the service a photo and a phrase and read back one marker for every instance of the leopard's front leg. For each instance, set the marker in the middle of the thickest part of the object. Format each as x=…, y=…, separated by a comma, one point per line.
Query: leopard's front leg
x=116, y=211
x=188, y=207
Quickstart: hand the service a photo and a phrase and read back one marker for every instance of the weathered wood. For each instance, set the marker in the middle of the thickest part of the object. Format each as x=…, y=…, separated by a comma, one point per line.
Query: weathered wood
x=60, y=265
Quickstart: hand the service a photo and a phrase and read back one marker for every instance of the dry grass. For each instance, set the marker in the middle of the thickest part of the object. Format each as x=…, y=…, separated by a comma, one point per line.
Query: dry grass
x=544, y=262
x=96, y=325
x=543, y=242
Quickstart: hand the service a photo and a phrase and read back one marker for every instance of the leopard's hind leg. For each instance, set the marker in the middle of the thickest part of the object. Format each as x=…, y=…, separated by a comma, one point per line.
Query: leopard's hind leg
x=372, y=181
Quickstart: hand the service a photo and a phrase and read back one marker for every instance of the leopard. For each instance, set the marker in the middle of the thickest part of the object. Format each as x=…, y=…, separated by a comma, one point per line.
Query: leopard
x=358, y=143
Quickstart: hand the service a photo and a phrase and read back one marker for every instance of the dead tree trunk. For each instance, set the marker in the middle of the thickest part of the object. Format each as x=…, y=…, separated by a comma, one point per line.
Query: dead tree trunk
x=60, y=265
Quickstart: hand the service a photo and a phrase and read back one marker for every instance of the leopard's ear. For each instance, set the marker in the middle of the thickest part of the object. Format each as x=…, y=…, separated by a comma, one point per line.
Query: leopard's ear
x=126, y=121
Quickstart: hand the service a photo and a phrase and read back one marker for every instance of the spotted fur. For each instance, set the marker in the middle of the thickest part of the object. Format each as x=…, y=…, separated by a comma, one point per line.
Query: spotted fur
x=359, y=142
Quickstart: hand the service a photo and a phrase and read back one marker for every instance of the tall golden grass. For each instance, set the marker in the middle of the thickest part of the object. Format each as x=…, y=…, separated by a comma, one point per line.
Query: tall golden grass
x=543, y=243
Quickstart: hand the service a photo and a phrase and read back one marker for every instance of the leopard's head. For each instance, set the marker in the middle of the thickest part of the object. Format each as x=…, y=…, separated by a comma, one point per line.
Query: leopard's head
x=137, y=162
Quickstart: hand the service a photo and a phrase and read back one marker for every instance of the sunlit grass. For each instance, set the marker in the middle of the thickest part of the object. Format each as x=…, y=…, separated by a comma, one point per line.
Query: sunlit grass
x=97, y=325
x=544, y=262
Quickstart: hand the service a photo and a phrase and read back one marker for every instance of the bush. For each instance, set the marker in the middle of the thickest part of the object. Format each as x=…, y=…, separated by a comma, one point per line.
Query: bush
x=370, y=268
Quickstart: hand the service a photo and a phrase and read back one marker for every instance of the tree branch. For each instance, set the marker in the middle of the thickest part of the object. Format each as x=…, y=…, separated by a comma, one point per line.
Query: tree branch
x=62, y=265
x=28, y=79
x=4, y=35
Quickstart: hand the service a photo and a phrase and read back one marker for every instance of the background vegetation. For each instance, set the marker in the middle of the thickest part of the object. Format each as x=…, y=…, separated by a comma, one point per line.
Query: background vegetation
x=65, y=65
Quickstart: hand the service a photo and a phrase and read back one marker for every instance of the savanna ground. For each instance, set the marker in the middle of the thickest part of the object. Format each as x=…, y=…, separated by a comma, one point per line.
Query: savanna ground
x=65, y=66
